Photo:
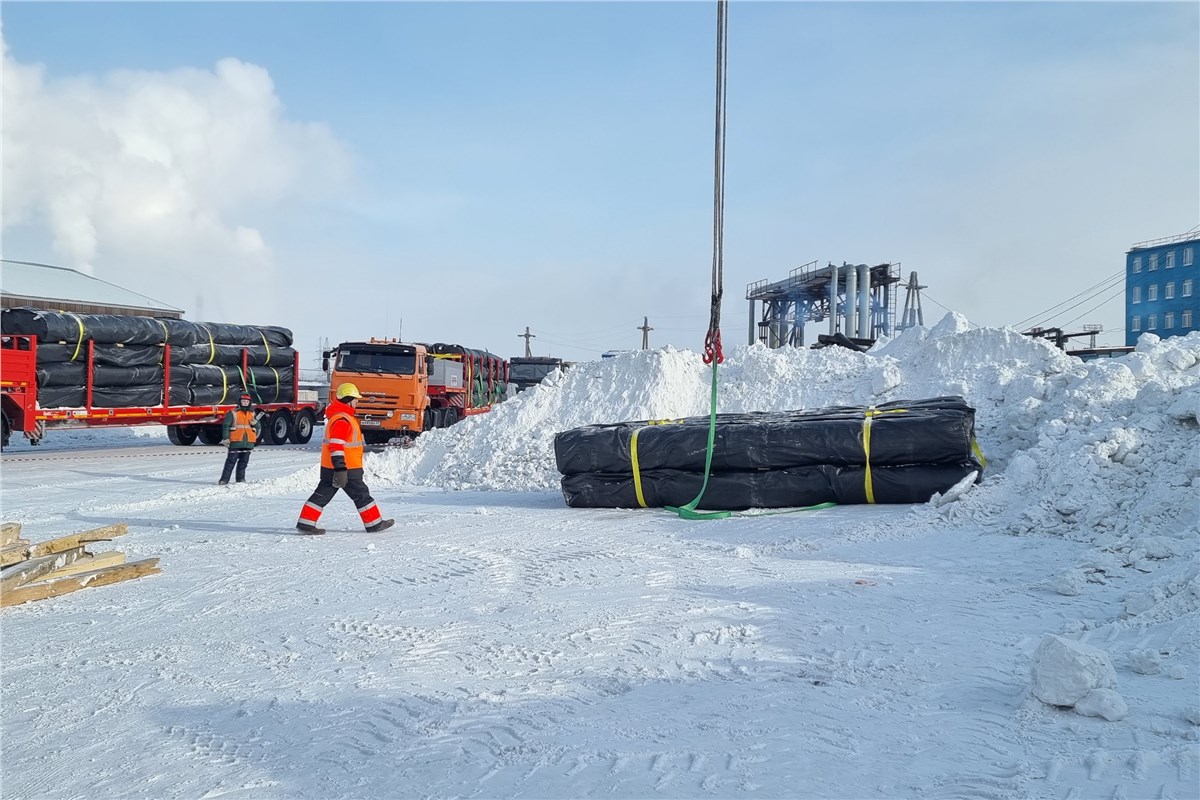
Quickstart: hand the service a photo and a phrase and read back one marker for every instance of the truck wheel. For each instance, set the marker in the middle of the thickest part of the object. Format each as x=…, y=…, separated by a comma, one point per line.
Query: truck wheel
x=302, y=426
x=427, y=420
x=451, y=416
x=279, y=426
x=7, y=431
x=182, y=435
x=211, y=434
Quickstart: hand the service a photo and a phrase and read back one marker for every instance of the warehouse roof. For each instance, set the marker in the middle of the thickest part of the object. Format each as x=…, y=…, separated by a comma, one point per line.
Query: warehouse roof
x=25, y=283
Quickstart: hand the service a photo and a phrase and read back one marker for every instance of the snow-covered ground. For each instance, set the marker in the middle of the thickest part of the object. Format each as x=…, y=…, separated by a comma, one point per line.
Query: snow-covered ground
x=499, y=644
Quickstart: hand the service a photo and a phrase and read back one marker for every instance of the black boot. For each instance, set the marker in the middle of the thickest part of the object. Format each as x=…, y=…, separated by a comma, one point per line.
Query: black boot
x=382, y=525
x=311, y=530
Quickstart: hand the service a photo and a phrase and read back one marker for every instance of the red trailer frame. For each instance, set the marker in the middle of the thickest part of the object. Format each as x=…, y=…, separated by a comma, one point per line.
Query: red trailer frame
x=18, y=383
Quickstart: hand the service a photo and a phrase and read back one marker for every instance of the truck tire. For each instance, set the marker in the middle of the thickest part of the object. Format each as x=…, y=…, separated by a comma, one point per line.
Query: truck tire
x=451, y=416
x=7, y=431
x=278, y=427
x=302, y=426
x=182, y=435
x=211, y=434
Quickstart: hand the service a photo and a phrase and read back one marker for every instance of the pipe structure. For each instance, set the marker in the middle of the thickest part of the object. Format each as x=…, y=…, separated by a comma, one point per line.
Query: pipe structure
x=833, y=294
x=864, y=301
x=851, y=299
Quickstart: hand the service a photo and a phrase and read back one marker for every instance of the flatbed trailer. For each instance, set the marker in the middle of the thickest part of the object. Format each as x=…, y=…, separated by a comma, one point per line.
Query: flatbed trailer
x=283, y=421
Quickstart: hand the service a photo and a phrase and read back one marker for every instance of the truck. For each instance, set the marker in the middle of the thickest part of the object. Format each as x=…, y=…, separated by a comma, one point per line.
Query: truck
x=412, y=387
x=525, y=372
x=33, y=401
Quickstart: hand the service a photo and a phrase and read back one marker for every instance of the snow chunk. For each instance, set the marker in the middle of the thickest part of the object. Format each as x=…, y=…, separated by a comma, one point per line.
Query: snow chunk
x=1102, y=703
x=1145, y=662
x=1064, y=671
x=1071, y=582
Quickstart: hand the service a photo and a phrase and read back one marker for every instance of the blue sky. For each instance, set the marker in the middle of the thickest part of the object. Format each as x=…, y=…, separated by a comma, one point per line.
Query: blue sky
x=464, y=170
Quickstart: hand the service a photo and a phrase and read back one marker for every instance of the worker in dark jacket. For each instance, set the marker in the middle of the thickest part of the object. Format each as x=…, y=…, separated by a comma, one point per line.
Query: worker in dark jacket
x=239, y=433
x=342, y=466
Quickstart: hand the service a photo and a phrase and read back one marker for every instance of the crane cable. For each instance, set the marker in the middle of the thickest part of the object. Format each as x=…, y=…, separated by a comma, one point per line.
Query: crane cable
x=712, y=341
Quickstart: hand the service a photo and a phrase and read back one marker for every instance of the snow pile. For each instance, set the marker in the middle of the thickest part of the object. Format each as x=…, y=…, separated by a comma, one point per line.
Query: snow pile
x=1067, y=673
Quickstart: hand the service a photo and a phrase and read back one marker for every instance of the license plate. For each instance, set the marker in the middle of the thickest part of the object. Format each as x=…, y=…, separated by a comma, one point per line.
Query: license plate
x=371, y=423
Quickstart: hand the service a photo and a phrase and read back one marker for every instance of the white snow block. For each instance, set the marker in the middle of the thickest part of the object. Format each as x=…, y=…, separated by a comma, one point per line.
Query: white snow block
x=1102, y=703
x=1064, y=671
x=1145, y=662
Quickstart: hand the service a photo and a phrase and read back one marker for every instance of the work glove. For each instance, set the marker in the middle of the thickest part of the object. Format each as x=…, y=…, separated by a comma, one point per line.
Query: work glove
x=225, y=443
x=340, y=476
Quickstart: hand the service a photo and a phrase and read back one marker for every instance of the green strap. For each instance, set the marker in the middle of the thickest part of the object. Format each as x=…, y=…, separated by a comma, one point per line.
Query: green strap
x=689, y=511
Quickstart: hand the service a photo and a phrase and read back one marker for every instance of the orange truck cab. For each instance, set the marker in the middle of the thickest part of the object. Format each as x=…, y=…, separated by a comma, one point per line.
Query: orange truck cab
x=408, y=388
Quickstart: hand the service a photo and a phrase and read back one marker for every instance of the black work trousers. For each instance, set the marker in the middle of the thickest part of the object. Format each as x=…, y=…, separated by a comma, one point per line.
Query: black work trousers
x=238, y=458
x=356, y=487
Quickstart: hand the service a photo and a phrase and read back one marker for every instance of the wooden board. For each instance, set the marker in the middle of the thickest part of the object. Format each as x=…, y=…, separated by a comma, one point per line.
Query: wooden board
x=73, y=583
x=36, y=569
x=88, y=563
x=15, y=554
x=9, y=533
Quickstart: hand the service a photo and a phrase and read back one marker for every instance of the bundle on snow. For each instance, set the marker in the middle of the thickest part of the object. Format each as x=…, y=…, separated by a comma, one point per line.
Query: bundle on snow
x=900, y=452
x=128, y=353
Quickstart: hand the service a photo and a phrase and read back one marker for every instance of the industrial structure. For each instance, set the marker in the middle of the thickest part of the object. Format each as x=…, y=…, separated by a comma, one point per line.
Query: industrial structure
x=1160, y=287
x=859, y=302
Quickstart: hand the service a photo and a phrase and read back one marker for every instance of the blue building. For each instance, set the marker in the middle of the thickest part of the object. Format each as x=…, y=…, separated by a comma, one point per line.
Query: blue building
x=1162, y=290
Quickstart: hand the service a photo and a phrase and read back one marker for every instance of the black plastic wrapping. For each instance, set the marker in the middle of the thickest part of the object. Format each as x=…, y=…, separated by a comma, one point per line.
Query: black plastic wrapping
x=55, y=326
x=778, y=488
x=231, y=354
x=932, y=431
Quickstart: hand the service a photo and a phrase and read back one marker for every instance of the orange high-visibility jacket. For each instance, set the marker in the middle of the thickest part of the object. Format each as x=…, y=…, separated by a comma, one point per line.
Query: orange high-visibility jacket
x=239, y=429
x=342, y=435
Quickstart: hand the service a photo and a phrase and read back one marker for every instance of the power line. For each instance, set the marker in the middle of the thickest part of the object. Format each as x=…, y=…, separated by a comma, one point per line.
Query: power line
x=1118, y=273
x=1108, y=300
x=1110, y=284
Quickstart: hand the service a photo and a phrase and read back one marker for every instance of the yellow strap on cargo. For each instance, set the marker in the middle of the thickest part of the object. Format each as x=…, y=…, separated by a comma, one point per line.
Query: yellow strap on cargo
x=637, y=475
x=868, y=415
x=978, y=453
x=267, y=345
x=212, y=346
x=224, y=385
x=78, y=344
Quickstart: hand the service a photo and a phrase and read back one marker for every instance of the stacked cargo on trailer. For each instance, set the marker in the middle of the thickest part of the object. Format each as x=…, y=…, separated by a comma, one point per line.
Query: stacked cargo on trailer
x=408, y=388
x=107, y=370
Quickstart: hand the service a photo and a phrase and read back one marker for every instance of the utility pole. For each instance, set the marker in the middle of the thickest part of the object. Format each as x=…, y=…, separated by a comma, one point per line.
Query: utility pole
x=645, y=329
x=913, y=314
x=527, y=336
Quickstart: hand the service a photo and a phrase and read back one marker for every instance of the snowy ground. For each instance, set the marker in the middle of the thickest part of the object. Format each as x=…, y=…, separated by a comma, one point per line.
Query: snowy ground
x=499, y=644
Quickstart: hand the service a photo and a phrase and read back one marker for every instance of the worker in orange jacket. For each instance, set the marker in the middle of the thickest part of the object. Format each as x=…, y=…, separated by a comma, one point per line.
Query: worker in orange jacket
x=239, y=432
x=342, y=466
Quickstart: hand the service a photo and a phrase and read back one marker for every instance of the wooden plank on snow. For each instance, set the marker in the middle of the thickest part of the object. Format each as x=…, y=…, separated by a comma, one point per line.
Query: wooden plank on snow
x=88, y=563
x=73, y=583
x=38, y=568
x=9, y=533
x=18, y=553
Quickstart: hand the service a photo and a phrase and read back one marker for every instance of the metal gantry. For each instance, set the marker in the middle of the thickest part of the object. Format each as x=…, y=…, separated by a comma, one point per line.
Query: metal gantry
x=816, y=294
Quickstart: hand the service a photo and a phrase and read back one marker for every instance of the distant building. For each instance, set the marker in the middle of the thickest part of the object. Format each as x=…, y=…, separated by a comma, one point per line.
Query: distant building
x=1161, y=292
x=25, y=284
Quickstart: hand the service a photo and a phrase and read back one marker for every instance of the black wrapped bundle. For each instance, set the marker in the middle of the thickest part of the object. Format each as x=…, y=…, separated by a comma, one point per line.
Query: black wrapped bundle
x=271, y=385
x=228, y=333
x=113, y=355
x=933, y=431
x=777, y=488
x=231, y=355
x=54, y=326
x=61, y=374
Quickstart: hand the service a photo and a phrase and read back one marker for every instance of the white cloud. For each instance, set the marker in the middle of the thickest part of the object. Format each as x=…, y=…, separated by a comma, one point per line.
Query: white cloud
x=147, y=179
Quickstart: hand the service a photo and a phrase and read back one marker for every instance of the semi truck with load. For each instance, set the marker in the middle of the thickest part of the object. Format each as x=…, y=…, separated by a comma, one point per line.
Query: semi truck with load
x=408, y=388
x=66, y=371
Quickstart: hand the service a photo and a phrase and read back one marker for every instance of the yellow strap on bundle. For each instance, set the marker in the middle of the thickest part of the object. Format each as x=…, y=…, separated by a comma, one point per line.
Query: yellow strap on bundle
x=978, y=453
x=637, y=475
x=224, y=385
x=212, y=346
x=78, y=344
x=868, y=415
x=267, y=345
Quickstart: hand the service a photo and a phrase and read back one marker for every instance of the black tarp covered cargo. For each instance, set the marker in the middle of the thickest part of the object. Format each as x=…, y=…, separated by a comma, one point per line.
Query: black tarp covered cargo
x=774, y=488
x=937, y=430
x=899, y=452
x=55, y=326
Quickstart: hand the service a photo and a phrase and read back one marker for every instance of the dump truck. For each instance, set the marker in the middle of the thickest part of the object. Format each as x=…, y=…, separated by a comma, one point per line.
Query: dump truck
x=411, y=387
x=103, y=371
x=528, y=371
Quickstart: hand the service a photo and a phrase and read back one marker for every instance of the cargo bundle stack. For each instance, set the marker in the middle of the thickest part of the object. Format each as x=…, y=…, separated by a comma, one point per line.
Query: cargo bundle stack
x=900, y=452
x=98, y=369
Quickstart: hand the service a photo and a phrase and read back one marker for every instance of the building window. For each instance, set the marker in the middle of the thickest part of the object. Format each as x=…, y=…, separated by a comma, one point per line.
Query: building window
x=1153, y=262
x=1187, y=318
x=1152, y=322
x=1170, y=259
x=1169, y=292
x=1137, y=263
x=1137, y=323
x=1187, y=287
x=1187, y=256
x=1152, y=293
x=1169, y=320
x=1137, y=294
